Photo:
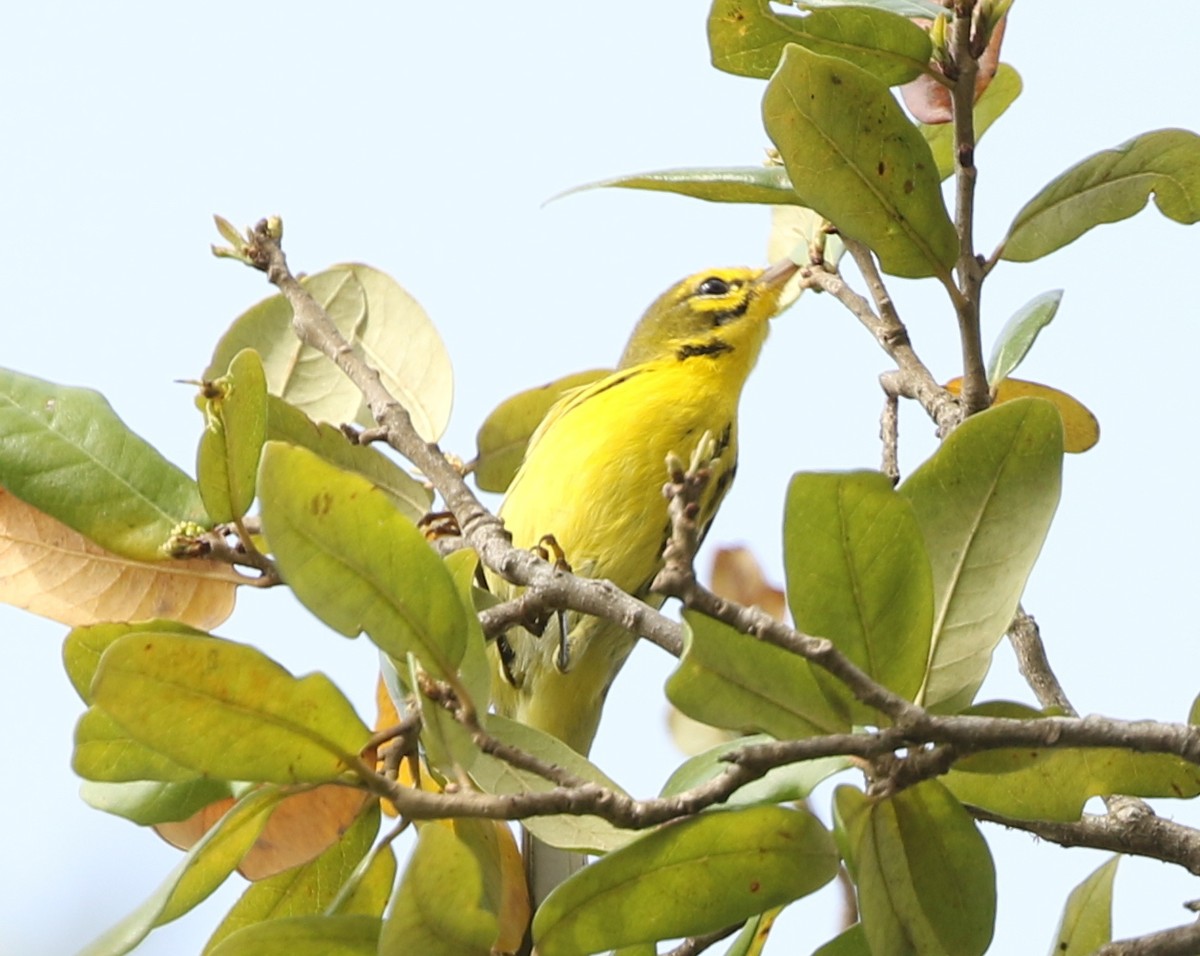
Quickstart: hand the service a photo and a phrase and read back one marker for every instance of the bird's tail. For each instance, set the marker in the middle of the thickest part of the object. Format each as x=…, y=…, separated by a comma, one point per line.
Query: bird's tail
x=547, y=866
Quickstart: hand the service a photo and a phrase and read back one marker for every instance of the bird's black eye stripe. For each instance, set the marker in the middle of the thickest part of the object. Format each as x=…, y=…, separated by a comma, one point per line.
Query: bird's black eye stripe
x=713, y=285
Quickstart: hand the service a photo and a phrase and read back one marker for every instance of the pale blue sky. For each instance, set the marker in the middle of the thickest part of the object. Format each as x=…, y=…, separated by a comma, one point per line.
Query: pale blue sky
x=423, y=139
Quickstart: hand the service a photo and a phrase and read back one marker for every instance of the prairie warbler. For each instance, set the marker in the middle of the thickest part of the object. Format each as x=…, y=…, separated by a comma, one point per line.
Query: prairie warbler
x=593, y=474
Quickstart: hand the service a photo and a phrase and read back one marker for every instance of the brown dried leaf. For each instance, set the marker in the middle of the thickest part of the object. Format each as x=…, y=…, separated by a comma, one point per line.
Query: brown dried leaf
x=48, y=569
x=736, y=576
x=929, y=101
x=302, y=827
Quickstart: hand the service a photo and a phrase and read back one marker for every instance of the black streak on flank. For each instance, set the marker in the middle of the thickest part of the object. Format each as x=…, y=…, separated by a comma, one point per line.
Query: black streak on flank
x=711, y=347
x=724, y=439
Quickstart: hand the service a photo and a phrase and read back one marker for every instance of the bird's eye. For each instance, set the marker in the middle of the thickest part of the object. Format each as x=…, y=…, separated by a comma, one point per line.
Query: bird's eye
x=713, y=286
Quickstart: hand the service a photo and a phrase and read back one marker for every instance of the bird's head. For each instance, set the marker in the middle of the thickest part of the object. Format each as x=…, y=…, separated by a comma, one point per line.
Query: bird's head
x=709, y=313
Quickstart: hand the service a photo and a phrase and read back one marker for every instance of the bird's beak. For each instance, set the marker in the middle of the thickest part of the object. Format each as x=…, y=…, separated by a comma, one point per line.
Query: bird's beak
x=775, y=275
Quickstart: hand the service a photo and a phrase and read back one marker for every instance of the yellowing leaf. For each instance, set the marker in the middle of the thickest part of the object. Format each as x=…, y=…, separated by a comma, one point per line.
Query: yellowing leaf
x=1081, y=430
x=55, y=572
x=440, y=908
x=228, y=710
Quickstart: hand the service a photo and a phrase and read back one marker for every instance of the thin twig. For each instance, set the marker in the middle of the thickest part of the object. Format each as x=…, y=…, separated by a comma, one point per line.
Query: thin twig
x=1138, y=834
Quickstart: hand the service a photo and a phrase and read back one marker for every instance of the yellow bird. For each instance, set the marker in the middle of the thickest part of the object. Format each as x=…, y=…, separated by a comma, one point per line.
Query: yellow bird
x=593, y=474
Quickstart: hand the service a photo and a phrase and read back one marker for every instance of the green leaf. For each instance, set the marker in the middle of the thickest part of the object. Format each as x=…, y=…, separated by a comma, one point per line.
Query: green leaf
x=476, y=669
x=1019, y=334
x=1086, y=923
x=203, y=868
x=1031, y=784
x=147, y=802
x=984, y=502
x=356, y=562
x=106, y=752
x=738, y=682
x=377, y=317
x=502, y=438
x=854, y=157
x=689, y=877
x=926, y=882
x=65, y=451
x=228, y=710
x=852, y=942
x=367, y=891
x=84, y=646
x=1194, y=712
x=287, y=423
x=928, y=9
x=747, y=38
x=306, y=936
x=235, y=408
x=763, y=185
x=786, y=784
x=305, y=890
x=1108, y=187
x=858, y=574
x=439, y=908
x=1000, y=94
x=566, y=831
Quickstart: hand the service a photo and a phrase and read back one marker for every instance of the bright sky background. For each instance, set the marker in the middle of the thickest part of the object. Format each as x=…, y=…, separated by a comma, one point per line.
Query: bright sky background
x=424, y=139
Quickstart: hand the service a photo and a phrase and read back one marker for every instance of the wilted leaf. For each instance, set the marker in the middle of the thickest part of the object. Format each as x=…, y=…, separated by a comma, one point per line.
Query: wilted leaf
x=689, y=877
x=288, y=424
x=766, y=185
x=854, y=157
x=926, y=881
x=504, y=434
x=1086, y=923
x=374, y=314
x=65, y=452
x=984, y=503
x=198, y=874
x=858, y=574
x=227, y=710
x=303, y=890
x=1081, y=431
x=747, y=38
x=235, y=410
x=1001, y=93
x=55, y=572
x=728, y=679
x=1108, y=187
x=356, y=562
x=305, y=936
